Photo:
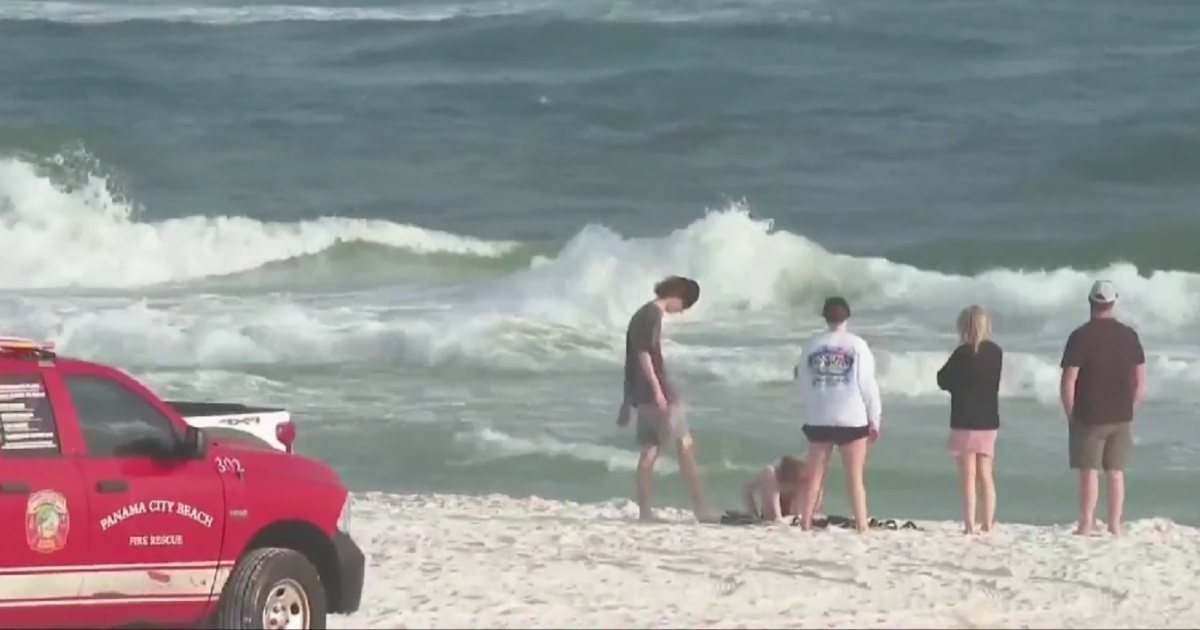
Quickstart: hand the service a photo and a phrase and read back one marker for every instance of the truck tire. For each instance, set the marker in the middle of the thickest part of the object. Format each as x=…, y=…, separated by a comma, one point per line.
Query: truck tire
x=272, y=588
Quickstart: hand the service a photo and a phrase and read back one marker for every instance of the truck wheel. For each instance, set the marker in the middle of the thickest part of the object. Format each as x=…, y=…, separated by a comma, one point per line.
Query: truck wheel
x=272, y=589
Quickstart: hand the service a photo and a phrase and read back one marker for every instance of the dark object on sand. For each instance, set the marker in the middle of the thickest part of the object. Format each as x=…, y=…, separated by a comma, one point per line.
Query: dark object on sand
x=733, y=517
x=848, y=523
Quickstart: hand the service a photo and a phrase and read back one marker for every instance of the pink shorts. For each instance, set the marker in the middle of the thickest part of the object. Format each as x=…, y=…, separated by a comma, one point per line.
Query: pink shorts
x=969, y=441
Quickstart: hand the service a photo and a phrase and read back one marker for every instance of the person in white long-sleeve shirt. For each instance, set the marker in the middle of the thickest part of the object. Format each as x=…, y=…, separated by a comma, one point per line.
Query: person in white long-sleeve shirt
x=836, y=376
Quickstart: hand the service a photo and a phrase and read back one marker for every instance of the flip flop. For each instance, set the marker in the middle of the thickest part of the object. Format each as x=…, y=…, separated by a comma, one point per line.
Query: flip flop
x=739, y=518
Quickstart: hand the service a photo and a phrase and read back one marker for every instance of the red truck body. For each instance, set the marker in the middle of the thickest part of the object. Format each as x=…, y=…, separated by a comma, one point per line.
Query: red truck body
x=111, y=519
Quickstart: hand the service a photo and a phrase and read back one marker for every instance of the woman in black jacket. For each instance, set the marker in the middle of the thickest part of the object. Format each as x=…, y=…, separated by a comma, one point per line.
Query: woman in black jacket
x=972, y=376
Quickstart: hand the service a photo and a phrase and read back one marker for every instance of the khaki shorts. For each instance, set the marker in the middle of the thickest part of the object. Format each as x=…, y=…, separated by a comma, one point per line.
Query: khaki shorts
x=1100, y=446
x=656, y=429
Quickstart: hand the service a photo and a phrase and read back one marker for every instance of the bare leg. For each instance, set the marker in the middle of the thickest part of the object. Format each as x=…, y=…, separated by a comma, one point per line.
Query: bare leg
x=814, y=475
x=1116, y=501
x=645, y=474
x=854, y=460
x=966, y=491
x=987, y=488
x=1089, y=490
x=691, y=477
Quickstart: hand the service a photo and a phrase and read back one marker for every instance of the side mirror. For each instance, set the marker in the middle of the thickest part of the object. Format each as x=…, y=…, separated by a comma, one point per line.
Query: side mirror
x=195, y=446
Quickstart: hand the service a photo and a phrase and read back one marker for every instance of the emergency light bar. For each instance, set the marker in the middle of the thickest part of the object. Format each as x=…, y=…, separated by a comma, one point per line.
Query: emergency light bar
x=21, y=346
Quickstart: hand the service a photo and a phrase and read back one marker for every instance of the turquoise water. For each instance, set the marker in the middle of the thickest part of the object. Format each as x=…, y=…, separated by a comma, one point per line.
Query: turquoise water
x=422, y=226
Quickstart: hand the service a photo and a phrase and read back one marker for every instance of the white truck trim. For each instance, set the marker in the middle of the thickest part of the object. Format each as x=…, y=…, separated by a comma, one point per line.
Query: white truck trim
x=260, y=424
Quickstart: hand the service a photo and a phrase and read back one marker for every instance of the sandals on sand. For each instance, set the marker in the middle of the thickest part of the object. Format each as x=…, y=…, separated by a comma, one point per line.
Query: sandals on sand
x=848, y=523
x=733, y=517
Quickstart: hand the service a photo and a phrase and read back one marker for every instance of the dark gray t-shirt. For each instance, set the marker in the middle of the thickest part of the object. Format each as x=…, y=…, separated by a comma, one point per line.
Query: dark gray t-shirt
x=645, y=329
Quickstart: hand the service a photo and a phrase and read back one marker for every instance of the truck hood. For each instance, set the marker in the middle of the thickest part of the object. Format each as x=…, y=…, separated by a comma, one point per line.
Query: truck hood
x=263, y=460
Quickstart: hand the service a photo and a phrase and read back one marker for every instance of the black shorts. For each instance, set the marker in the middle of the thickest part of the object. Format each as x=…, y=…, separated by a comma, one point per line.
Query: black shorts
x=841, y=436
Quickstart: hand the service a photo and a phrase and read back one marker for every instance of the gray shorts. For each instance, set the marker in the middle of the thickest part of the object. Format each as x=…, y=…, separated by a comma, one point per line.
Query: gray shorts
x=1100, y=446
x=656, y=429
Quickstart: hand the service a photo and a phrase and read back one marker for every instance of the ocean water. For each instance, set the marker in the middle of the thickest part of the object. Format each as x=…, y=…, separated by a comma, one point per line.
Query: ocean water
x=422, y=226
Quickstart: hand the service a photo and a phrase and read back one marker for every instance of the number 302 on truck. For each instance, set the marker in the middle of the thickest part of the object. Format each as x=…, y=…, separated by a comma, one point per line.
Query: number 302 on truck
x=118, y=512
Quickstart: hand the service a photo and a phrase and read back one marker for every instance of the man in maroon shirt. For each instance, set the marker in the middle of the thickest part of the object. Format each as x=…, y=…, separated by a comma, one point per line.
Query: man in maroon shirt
x=1103, y=376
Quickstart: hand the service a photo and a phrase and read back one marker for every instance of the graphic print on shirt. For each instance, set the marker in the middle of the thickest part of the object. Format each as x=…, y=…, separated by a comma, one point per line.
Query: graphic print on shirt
x=830, y=366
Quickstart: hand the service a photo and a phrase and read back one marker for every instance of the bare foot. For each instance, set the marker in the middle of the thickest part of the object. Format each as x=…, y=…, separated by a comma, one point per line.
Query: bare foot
x=1083, y=530
x=1115, y=530
x=987, y=528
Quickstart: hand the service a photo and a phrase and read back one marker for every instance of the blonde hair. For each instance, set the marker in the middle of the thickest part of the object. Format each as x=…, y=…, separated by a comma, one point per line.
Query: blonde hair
x=790, y=470
x=974, y=325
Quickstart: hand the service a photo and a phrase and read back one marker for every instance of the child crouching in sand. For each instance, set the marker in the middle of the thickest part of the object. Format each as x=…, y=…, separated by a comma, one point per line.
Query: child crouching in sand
x=778, y=490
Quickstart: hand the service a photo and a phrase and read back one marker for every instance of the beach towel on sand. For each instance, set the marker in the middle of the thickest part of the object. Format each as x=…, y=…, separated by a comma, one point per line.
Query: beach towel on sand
x=733, y=517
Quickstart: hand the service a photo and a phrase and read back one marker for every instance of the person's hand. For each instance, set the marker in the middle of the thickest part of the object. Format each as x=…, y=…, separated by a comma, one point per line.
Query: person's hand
x=872, y=432
x=664, y=405
x=624, y=415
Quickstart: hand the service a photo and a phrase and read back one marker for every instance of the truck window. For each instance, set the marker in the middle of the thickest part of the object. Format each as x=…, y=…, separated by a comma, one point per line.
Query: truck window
x=27, y=425
x=116, y=421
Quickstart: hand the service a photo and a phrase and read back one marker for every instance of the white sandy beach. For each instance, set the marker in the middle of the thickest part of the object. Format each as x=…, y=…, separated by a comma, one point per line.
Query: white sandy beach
x=498, y=562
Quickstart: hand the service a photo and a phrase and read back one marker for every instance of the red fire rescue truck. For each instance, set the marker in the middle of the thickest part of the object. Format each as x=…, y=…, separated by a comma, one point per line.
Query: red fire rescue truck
x=117, y=512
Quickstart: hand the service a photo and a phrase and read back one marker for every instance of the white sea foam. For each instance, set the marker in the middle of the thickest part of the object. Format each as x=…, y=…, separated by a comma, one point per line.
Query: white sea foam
x=564, y=312
x=744, y=264
x=88, y=237
x=212, y=331
x=500, y=562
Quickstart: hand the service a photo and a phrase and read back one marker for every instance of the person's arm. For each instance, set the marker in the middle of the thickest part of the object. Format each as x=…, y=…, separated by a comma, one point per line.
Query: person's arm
x=646, y=360
x=1139, y=370
x=766, y=487
x=748, y=491
x=999, y=367
x=949, y=377
x=868, y=385
x=1066, y=389
x=1139, y=382
x=1070, y=374
x=800, y=370
x=774, y=506
x=645, y=342
x=668, y=387
x=625, y=413
x=664, y=381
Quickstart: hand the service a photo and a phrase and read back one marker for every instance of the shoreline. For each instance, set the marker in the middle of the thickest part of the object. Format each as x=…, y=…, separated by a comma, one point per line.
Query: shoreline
x=443, y=561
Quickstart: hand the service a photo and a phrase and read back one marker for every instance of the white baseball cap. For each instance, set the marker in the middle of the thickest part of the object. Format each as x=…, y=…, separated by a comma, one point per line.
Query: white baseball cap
x=1103, y=292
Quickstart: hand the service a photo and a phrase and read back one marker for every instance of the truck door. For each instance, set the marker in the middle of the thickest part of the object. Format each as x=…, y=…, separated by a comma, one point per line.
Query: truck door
x=43, y=508
x=159, y=514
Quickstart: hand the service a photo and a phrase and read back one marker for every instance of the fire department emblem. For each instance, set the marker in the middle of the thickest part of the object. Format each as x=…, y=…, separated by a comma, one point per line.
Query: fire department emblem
x=47, y=521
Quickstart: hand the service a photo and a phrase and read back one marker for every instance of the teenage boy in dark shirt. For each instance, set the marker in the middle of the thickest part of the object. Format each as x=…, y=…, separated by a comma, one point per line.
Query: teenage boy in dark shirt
x=649, y=394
